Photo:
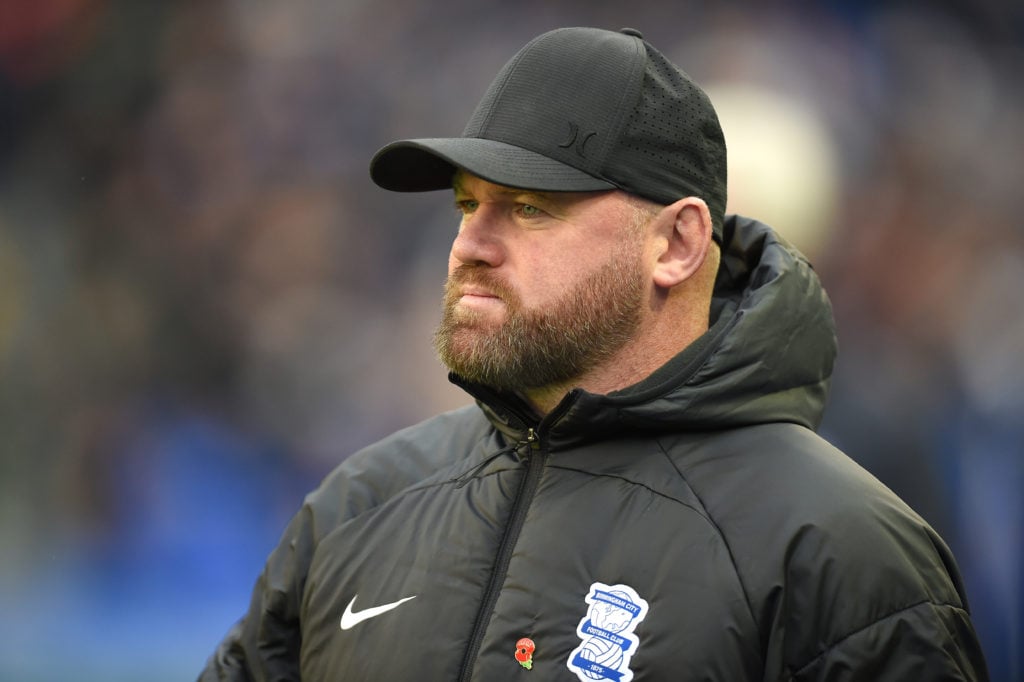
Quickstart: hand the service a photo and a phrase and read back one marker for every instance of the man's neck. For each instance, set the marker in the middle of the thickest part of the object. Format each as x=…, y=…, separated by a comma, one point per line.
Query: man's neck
x=633, y=363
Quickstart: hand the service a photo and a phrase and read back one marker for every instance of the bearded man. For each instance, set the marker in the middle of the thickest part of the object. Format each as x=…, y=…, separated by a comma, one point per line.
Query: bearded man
x=638, y=492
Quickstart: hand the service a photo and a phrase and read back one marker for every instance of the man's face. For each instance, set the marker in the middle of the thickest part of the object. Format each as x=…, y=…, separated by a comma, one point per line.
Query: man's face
x=542, y=287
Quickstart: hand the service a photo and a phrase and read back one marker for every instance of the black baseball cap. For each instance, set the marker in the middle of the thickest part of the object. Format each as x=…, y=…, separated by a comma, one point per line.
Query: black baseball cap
x=579, y=109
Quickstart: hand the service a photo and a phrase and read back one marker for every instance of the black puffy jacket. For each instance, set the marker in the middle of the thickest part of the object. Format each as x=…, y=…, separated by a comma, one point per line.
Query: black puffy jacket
x=690, y=527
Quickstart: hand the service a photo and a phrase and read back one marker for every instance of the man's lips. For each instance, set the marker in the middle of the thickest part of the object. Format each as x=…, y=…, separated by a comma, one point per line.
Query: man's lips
x=478, y=297
x=476, y=292
x=473, y=289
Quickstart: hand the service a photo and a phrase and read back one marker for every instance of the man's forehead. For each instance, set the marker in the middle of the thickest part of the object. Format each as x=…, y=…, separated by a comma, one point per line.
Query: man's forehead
x=463, y=183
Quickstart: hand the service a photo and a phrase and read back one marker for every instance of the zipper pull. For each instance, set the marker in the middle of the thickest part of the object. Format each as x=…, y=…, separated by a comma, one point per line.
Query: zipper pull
x=531, y=439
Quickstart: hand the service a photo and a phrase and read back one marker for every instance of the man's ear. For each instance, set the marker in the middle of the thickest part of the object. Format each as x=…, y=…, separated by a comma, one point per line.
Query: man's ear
x=685, y=229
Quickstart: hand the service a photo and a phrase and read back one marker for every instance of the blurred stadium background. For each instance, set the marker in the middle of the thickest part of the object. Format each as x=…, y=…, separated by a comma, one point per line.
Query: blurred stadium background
x=205, y=304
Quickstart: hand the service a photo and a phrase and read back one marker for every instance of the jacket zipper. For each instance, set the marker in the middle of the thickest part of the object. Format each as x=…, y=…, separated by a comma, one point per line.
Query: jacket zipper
x=527, y=489
x=465, y=478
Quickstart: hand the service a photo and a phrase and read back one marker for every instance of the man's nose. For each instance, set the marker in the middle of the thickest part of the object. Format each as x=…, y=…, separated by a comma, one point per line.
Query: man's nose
x=479, y=241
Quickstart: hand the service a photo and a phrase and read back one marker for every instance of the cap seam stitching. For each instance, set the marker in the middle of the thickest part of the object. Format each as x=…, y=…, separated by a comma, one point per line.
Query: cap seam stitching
x=512, y=66
x=639, y=65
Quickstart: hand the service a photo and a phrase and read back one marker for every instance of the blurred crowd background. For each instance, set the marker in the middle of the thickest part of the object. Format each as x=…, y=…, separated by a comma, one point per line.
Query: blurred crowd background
x=205, y=304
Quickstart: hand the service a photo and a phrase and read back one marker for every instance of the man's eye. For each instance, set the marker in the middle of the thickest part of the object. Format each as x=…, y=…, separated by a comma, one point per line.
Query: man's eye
x=529, y=211
x=466, y=205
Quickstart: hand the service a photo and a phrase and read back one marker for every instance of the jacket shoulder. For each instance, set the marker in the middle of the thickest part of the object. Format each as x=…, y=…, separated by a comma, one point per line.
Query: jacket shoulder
x=434, y=450
x=824, y=550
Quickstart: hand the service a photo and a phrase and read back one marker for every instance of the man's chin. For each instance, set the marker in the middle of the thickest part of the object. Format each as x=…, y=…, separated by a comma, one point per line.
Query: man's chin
x=463, y=317
x=470, y=340
x=474, y=323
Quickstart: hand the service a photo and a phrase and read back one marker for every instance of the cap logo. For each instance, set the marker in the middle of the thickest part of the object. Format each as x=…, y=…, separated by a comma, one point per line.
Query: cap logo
x=577, y=141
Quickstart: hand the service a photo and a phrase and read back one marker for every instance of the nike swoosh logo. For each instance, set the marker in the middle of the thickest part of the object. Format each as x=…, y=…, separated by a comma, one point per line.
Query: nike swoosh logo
x=351, y=618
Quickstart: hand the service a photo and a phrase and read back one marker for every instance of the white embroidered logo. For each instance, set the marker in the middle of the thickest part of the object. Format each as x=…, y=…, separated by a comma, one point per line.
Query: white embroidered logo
x=351, y=618
x=606, y=634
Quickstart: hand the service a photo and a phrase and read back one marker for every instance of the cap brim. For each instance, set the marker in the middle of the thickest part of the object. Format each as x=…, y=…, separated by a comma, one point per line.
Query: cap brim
x=429, y=164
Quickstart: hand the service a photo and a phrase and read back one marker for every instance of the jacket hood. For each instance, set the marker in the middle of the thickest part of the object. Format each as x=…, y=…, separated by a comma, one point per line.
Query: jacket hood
x=768, y=357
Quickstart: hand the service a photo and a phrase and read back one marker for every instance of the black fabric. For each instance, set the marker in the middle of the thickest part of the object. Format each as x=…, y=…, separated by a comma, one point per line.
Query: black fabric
x=762, y=552
x=579, y=109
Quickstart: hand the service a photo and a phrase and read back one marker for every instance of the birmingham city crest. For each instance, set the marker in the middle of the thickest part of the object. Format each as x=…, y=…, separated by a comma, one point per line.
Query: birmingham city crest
x=607, y=642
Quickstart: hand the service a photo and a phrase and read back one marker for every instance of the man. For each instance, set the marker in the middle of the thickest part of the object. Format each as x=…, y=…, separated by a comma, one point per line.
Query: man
x=638, y=493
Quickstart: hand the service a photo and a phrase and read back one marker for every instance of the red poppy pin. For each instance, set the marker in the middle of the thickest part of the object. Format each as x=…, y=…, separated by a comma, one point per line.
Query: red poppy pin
x=524, y=652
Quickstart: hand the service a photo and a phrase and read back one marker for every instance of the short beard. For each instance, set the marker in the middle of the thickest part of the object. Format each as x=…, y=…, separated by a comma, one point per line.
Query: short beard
x=546, y=347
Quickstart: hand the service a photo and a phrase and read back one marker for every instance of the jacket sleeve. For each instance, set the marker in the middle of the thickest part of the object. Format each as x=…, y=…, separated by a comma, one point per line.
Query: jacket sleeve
x=927, y=641
x=845, y=581
x=264, y=644
x=876, y=596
